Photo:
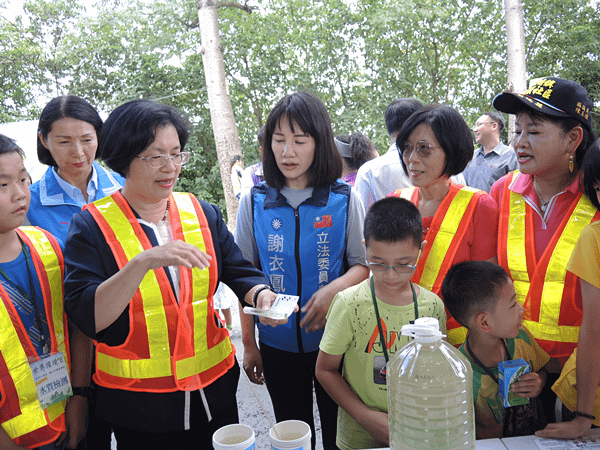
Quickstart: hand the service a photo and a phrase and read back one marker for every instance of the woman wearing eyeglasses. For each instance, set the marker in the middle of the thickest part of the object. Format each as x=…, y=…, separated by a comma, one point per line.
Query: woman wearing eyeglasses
x=459, y=223
x=142, y=266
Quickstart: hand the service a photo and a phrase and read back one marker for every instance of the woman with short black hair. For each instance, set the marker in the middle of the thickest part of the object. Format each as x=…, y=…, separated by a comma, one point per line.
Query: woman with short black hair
x=142, y=266
x=459, y=222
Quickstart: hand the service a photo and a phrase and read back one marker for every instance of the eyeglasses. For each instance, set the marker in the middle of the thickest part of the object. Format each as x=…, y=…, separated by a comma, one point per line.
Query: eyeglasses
x=398, y=268
x=480, y=124
x=423, y=149
x=158, y=161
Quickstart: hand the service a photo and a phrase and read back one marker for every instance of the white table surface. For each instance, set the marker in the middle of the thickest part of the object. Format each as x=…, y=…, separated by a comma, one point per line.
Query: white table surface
x=527, y=442
x=483, y=444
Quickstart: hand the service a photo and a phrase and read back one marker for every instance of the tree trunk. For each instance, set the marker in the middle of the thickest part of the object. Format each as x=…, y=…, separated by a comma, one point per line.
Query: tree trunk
x=225, y=129
x=517, y=69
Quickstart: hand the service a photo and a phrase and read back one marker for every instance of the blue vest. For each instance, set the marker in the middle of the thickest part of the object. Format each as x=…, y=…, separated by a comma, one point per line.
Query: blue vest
x=300, y=251
x=51, y=209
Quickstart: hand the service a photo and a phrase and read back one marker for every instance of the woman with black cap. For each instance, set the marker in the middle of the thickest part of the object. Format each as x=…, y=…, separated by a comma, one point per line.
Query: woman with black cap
x=542, y=209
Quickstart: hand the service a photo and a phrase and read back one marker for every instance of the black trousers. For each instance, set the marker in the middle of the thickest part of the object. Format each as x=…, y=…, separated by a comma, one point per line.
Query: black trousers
x=289, y=378
x=221, y=398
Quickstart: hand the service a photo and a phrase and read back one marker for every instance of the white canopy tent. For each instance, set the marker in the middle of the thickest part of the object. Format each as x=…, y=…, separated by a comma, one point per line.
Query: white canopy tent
x=25, y=134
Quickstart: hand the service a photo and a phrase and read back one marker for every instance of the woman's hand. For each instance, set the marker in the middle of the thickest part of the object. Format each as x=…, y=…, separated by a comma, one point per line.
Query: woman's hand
x=529, y=385
x=265, y=299
x=574, y=429
x=113, y=295
x=252, y=364
x=75, y=418
x=174, y=253
x=316, y=309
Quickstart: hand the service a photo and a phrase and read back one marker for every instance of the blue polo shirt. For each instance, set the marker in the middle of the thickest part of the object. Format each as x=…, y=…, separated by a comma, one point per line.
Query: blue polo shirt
x=54, y=201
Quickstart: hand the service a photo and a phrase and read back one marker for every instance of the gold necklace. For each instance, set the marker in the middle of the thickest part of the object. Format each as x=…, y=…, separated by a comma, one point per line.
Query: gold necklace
x=543, y=204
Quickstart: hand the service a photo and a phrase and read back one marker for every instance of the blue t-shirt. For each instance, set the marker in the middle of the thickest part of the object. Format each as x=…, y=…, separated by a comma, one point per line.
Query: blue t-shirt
x=18, y=274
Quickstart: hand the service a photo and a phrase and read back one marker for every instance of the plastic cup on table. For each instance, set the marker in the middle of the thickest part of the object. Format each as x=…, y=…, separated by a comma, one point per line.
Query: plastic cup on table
x=234, y=437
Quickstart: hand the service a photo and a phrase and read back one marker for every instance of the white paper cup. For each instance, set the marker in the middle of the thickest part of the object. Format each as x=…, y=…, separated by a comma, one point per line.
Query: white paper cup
x=290, y=434
x=234, y=437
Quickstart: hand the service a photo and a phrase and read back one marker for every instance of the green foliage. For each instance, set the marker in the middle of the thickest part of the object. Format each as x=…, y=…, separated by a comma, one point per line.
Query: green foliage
x=356, y=55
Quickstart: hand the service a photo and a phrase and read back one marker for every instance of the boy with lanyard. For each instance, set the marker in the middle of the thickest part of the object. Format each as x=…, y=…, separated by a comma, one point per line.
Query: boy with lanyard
x=481, y=296
x=32, y=324
x=364, y=324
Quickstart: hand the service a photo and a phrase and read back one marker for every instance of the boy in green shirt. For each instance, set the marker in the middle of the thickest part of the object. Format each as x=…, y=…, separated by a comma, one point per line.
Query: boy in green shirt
x=393, y=234
x=481, y=297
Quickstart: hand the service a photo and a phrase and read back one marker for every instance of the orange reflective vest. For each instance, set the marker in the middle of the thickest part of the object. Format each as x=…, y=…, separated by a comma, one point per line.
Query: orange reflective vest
x=546, y=290
x=448, y=228
x=171, y=346
x=21, y=415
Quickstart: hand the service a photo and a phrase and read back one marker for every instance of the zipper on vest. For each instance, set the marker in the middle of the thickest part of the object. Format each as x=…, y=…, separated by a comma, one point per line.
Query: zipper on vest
x=299, y=274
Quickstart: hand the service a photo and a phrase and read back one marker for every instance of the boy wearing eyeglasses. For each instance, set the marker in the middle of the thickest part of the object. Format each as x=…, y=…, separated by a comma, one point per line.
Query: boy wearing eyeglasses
x=364, y=324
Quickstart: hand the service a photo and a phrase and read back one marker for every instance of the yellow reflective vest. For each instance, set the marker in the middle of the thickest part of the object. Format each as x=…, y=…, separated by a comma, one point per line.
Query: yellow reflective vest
x=172, y=345
x=21, y=415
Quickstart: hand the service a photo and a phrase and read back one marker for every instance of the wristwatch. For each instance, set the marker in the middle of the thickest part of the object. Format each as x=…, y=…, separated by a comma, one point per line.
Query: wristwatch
x=86, y=391
x=258, y=291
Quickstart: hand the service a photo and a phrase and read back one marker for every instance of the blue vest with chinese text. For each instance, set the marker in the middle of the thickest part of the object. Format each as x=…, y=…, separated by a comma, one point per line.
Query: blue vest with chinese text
x=300, y=251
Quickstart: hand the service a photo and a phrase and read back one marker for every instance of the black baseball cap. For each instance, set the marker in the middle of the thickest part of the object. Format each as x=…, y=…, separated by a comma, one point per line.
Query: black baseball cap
x=552, y=96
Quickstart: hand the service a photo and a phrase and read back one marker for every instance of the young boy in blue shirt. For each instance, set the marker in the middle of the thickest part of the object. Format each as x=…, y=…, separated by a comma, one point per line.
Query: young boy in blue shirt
x=393, y=234
x=481, y=296
x=32, y=322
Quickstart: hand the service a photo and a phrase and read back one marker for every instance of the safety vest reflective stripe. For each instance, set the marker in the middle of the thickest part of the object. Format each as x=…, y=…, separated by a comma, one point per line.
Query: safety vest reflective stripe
x=204, y=357
x=543, y=292
x=445, y=243
x=195, y=351
x=48, y=262
x=451, y=222
x=514, y=216
x=128, y=243
x=449, y=226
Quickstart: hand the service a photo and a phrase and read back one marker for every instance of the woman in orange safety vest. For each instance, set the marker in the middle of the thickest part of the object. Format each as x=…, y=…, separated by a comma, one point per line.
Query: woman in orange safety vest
x=543, y=211
x=142, y=266
x=435, y=143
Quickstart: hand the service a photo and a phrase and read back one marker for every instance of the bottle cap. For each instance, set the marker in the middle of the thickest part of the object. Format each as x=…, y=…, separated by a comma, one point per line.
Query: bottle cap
x=424, y=330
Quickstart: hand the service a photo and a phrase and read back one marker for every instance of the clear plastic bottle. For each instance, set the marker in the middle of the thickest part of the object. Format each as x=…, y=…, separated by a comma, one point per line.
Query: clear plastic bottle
x=430, y=393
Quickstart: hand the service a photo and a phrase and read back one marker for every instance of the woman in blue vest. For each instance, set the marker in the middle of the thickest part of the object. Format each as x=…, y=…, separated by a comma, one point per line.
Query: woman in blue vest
x=67, y=141
x=303, y=228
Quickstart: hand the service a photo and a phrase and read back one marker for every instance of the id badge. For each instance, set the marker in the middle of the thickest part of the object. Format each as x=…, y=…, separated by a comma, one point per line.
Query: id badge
x=51, y=378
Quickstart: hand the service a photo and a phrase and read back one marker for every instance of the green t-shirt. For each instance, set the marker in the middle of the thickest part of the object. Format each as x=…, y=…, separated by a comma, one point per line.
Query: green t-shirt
x=489, y=411
x=352, y=331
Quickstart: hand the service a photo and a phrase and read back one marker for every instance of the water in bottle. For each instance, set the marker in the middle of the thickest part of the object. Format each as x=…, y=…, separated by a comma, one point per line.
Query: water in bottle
x=430, y=393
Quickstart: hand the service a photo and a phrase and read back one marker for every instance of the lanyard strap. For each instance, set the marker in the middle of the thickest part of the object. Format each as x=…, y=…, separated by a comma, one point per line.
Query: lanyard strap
x=32, y=300
x=381, y=338
x=480, y=364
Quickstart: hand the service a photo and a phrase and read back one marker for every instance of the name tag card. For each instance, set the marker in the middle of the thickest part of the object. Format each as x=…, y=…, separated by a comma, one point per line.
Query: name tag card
x=52, y=380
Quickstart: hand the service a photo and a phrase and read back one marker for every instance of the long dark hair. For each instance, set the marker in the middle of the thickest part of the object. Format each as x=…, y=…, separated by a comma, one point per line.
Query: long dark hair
x=309, y=113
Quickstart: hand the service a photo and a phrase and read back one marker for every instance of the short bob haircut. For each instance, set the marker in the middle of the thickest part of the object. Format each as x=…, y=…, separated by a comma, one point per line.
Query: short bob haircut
x=132, y=127
x=68, y=106
x=450, y=130
x=9, y=145
x=391, y=220
x=308, y=113
x=590, y=175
